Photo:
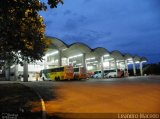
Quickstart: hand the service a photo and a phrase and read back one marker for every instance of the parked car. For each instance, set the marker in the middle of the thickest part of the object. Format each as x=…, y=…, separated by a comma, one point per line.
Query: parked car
x=110, y=74
x=97, y=74
x=113, y=73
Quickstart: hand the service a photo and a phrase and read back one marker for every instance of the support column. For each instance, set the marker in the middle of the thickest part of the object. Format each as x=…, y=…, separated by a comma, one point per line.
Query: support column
x=102, y=68
x=16, y=72
x=67, y=61
x=98, y=64
x=45, y=63
x=25, y=71
x=84, y=62
x=126, y=67
x=60, y=58
x=115, y=64
x=118, y=65
x=134, y=68
x=141, y=68
x=7, y=73
x=110, y=65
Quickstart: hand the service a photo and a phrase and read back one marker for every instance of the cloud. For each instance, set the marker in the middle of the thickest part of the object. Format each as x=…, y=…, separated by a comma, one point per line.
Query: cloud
x=67, y=12
x=74, y=23
x=131, y=26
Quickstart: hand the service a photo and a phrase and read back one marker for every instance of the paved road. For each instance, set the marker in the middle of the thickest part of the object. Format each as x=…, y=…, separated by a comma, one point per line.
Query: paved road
x=126, y=95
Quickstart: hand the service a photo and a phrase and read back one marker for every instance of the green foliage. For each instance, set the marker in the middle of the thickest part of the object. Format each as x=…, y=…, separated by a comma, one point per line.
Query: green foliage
x=22, y=30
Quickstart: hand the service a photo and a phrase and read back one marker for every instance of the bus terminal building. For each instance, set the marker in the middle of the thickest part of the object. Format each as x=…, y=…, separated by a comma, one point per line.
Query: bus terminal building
x=80, y=55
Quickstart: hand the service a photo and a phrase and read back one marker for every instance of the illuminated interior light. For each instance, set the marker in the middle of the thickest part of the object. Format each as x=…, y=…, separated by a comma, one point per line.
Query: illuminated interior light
x=143, y=61
x=52, y=53
x=90, y=67
x=91, y=58
x=76, y=56
x=130, y=59
x=107, y=55
x=92, y=62
x=137, y=62
x=110, y=59
x=64, y=58
x=105, y=64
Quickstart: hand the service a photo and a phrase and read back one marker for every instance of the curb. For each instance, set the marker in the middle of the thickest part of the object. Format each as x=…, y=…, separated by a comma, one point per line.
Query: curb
x=42, y=101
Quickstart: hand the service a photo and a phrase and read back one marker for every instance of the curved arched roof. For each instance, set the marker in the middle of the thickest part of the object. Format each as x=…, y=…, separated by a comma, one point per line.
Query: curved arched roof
x=127, y=56
x=100, y=51
x=80, y=45
x=77, y=48
x=117, y=55
x=80, y=48
x=57, y=43
x=136, y=58
x=143, y=59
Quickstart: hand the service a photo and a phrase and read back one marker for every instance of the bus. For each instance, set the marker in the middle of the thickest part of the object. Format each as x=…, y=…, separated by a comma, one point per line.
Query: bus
x=58, y=73
x=80, y=73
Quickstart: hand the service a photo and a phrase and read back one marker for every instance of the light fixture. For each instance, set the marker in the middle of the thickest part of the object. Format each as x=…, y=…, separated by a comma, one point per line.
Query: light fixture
x=76, y=56
x=52, y=53
x=92, y=58
x=107, y=55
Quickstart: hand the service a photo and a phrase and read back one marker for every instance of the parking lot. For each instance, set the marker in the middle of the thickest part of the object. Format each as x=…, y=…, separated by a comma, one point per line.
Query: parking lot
x=119, y=95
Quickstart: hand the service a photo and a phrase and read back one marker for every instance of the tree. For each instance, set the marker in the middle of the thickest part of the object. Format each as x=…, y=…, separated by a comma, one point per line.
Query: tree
x=22, y=30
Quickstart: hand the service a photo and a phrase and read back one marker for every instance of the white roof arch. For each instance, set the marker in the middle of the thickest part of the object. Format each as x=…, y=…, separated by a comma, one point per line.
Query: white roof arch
x=127, y=56
x=143, y=59
x=77, y=48
x=57, y=43
x=136, y=58
x=117, y=55
x=100, y=51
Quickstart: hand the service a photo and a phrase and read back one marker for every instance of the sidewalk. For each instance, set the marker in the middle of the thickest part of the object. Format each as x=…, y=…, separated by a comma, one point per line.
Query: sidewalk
x=18, y=101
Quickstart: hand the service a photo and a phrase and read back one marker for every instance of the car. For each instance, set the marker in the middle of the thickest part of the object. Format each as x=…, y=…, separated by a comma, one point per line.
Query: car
x=97, y=74
x=110, y=74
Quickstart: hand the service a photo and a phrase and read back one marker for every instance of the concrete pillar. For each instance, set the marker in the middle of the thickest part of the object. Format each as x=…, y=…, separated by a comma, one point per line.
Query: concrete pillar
x=98, y=64
x=141, y=68
x=45, y=63
x=118, y=65
x=25, y=71
x=7, y=73
x=60, y=58
x=110, y=65
x=115, y=64
x=67, y=60
x=84, y=61
x=16, y=72
x=102, y=68
x=126, y=66
x=134, y=68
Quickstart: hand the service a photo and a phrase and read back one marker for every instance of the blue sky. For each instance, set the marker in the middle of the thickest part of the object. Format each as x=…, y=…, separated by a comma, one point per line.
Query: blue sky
x=130, y=26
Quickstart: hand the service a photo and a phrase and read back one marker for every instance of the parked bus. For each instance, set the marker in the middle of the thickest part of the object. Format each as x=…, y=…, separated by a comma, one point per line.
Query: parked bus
x=80, y=73
x=59, y=73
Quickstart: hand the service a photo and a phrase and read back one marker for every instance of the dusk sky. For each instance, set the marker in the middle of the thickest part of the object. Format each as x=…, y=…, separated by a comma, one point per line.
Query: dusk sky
x=130, y=26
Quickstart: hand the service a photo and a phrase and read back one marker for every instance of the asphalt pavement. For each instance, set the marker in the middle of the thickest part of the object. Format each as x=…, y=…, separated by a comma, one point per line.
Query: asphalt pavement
x=94, y=98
